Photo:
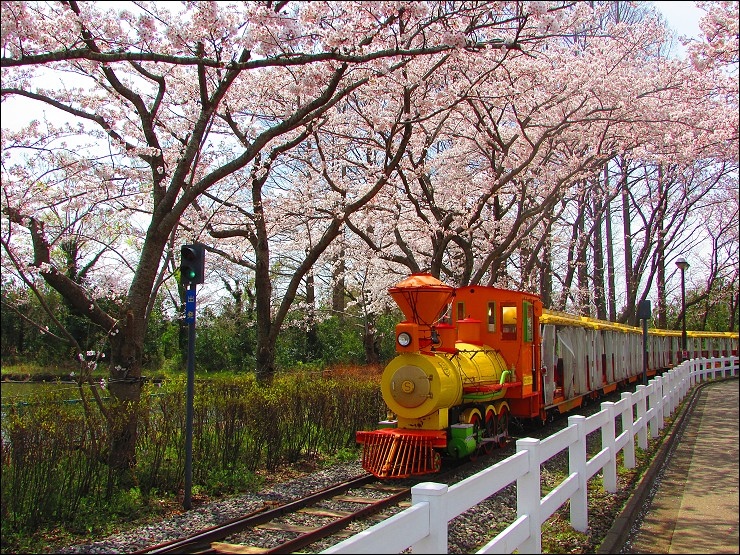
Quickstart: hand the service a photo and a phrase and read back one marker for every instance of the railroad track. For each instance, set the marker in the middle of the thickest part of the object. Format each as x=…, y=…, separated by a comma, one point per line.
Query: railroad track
x=292, y=526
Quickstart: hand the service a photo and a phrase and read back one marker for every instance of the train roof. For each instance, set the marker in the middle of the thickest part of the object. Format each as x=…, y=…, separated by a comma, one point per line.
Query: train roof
x=554, y=317
x=498, y=291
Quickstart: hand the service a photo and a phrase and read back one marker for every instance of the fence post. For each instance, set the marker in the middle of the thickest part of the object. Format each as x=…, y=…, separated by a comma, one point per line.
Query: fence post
x=670, y=381
x=528, y=495
x=627, y=426
x=659, y=400
x=608, y=437
x=675, y=382
x=699, y=369
x=685, y=381
x=577, y=464
x=642, y=416
x=679, y=386
x=653, y=398
x=434, y=495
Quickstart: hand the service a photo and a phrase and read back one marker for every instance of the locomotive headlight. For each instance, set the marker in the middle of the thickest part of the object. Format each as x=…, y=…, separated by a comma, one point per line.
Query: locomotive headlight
x=404, y=339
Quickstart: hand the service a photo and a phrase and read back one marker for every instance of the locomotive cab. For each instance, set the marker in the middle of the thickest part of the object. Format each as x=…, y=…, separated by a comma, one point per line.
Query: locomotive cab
x=511, y=324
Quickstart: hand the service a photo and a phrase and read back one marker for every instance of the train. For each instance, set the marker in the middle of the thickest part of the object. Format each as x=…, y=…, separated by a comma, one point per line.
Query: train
x=469, y=359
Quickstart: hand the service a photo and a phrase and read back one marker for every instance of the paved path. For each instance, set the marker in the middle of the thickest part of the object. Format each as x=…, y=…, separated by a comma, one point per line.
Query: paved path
x=695, y=507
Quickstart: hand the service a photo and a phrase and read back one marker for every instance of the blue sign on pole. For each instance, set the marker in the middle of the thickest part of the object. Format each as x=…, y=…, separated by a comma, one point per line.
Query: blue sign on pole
x=190, y=319
x=190, y=306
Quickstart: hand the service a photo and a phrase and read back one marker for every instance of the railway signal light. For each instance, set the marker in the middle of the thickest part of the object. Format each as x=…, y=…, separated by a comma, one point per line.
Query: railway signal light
x=192, y=263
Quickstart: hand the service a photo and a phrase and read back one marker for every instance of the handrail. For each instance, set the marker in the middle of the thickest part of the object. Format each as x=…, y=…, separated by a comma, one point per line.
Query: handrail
x=423, y=527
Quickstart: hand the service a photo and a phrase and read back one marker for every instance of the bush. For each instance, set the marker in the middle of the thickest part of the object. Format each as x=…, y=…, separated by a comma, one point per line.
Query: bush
x=54, y=452
x=224, y=481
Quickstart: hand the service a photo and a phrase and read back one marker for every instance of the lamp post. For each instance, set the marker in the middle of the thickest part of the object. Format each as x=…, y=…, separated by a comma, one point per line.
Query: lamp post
x=683, y=266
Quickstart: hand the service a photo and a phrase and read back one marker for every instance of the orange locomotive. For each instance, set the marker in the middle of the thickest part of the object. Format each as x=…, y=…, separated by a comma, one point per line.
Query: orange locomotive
x=471, y=358
x=451, y=391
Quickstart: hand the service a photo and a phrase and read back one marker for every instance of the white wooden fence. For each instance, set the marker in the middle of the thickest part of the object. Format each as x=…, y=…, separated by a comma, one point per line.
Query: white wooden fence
x=423, y=526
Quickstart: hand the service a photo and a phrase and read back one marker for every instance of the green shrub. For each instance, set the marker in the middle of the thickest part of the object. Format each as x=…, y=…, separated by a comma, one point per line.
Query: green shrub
x=54, y=452
x=224, y=481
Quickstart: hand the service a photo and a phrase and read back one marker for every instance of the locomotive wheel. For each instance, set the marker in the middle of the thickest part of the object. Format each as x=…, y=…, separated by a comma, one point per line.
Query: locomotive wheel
x=490, y=432
x=502, y=426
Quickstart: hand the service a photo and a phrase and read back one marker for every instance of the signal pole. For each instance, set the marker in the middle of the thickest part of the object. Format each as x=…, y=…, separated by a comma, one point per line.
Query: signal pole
x=190, y=394
x=192, y=272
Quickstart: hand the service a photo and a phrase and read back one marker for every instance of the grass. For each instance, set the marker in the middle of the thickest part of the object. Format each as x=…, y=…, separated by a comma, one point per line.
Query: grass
x=25, y=372
x=603, y=507
x=92, y=524
x=20, y=371
x=558, y=536
x=130, y=509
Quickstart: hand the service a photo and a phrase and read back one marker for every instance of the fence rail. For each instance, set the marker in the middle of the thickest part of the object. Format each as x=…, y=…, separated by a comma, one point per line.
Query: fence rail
x=423, y=527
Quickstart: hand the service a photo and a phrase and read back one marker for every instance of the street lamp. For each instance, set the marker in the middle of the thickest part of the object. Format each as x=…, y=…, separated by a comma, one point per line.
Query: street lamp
x=683, y=266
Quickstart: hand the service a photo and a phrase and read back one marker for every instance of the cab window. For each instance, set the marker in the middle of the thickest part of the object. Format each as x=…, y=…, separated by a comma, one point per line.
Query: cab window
x=509, y=317
x=528, y=322
x=491, y=316
x=460, y=310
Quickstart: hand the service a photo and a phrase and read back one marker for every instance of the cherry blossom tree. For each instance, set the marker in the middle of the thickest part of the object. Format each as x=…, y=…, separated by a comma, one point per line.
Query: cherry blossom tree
x=346, y=142
x=175, y=104
x=719, y=44
x=492, y=170
x=465, y=209
x=683, y=143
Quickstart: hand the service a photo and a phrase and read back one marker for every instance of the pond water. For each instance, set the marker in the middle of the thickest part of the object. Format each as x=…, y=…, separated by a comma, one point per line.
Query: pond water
x=12, y=392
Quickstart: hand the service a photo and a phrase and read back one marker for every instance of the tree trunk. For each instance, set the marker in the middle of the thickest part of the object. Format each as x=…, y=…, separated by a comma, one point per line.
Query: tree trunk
x=630, y=285
x=337, y=293
x=734, y=300
x=611, y=292
x=266, y=340
x=574, y=255
x=584, y=294
x=313, y=349
x=370, y=341
x=546, y=267
x=660, y=254
x=125, y=388
x=599, y=285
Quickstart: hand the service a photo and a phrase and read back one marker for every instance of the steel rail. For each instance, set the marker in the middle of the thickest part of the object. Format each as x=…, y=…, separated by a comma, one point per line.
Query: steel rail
x=200, y=542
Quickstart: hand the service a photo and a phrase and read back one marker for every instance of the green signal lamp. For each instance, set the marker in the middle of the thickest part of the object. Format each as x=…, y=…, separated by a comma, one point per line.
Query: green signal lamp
x=192, y=263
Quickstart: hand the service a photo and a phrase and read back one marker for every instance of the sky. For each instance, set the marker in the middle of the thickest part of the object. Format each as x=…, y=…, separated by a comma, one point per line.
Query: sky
x=682, y=17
